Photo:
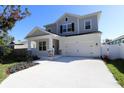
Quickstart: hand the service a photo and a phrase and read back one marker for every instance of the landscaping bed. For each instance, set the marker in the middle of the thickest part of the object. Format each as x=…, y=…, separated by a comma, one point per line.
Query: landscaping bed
x=19, y=66
x=7, y=69
x=23, y=58
x=117, y=69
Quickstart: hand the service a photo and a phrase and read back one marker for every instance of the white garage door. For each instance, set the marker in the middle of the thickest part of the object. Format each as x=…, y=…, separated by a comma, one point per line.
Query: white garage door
x=79, y=49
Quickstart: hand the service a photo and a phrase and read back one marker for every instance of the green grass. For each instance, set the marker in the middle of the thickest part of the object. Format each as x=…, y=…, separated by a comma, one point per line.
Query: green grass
x=3, y=68
x=117, y=69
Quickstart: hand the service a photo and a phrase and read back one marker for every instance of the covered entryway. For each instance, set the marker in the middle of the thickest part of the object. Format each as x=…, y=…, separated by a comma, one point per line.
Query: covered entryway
x=47, y=44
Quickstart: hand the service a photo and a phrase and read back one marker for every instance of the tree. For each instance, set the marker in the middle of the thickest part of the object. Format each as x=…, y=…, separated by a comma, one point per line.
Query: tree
x=9, y=15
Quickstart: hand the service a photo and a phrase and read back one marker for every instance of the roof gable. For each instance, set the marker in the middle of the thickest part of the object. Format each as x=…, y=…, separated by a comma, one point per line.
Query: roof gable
x=37, y=31
x=67, y=14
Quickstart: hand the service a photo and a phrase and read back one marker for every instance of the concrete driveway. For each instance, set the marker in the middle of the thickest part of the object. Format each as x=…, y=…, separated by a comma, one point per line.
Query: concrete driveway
x=65, y=72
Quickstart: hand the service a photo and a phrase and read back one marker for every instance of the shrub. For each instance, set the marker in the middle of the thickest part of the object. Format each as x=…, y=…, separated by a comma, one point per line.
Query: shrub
x=4, y=53
x=17, y=56
x=105, y=58
x=35, y=57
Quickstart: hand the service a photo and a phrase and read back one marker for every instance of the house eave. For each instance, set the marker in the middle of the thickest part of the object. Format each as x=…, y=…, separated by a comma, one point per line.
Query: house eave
x=94, y=32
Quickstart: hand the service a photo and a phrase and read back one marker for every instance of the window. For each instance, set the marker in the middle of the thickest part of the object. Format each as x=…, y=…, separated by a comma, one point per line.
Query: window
x=64, y=27
x=42, y=46
x=87, y=24
x=71, y=27
x=67, y=27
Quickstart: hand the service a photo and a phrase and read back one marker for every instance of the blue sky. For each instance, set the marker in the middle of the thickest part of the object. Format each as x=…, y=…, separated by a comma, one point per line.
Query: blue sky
x=111, y=23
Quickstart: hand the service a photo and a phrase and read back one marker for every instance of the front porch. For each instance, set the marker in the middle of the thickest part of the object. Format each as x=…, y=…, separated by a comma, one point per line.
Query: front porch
x=44, y=44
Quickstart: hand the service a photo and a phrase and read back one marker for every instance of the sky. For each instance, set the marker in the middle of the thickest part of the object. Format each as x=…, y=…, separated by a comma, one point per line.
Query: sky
x=111, y=22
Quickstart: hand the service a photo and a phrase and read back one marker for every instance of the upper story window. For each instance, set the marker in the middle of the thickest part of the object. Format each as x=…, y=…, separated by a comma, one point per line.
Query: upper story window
x=64, y=28
x=71, y=27
x=87, y=24
x=67, y=27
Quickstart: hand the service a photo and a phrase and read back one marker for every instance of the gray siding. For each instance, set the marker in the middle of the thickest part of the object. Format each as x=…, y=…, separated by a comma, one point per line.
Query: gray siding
x=94, y=24
x=71, y=19
x=52, y=27
x=78, y=24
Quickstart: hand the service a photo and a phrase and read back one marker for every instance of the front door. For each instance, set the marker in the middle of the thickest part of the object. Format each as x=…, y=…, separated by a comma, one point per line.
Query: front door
x=56, y=46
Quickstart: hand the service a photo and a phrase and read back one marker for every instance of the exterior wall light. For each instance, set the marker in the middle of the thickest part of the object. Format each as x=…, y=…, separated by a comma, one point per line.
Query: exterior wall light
x=96, y=44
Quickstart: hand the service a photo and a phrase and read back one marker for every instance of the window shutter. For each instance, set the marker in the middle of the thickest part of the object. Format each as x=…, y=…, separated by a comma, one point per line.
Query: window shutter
x=61, y=29
x=72, y=26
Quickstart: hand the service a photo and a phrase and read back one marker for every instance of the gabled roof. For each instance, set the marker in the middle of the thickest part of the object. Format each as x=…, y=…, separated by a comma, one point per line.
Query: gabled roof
x=78, y=16
x=37, y=31
x=120, y=37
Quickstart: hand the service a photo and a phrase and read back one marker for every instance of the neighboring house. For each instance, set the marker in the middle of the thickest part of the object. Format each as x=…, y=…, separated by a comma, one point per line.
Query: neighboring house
x=70, y=35
x=23, y=45
x=118, y=40
x=114, y=49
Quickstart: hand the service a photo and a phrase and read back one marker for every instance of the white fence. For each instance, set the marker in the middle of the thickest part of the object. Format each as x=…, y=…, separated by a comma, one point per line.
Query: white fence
x=113, y=51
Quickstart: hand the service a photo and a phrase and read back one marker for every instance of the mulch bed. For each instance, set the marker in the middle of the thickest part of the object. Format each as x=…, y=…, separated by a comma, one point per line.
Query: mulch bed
x=20, y=66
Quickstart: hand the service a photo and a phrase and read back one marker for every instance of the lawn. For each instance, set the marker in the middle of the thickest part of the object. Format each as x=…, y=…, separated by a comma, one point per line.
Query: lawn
x=117, y=69
x=3, y=68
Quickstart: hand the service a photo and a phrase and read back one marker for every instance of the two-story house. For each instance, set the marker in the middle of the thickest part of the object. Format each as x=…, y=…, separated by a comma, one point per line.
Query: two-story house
x=70, y=35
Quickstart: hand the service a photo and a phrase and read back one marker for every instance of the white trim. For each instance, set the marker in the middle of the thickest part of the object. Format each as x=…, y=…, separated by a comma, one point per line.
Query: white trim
x=44, y=37
x=90, y=24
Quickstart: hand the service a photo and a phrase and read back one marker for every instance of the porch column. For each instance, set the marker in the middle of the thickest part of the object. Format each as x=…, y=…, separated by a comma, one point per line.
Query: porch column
x=50, y=43
x=29, y=45
x=51, y=49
